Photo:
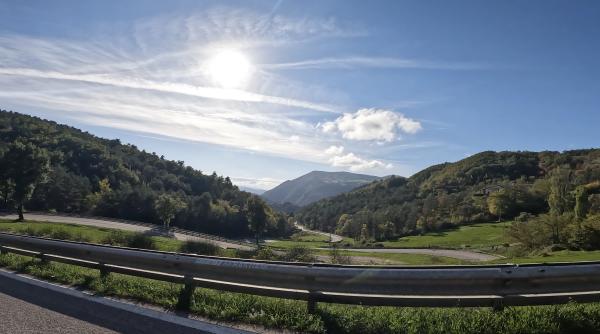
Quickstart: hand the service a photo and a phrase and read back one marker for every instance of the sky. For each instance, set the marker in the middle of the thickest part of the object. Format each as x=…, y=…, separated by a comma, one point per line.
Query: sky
x=266, y=91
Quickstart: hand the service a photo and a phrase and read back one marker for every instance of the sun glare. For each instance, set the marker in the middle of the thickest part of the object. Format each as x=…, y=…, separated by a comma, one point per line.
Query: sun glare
x=229, y=69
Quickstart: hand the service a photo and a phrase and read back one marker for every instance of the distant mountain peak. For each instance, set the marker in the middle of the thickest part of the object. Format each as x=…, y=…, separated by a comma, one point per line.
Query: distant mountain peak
x=314, y=186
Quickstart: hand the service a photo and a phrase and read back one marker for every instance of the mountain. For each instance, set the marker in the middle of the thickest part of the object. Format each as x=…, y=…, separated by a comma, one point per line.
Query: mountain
x=481, y=188
x=314, y=186
x=97, y=176
x=251, y=190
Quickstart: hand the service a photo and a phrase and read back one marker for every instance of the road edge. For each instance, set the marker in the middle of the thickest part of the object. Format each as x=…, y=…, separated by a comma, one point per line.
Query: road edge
x=107, y=313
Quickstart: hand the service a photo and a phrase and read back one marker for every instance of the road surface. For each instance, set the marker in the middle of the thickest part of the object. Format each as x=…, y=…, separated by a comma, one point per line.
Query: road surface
x=456, y=254
x=334, y=237
x=120, y=226
x=18, y=316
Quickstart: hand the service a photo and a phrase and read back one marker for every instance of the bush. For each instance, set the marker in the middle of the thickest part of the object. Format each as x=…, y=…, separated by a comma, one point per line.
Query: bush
x=338, y=258
x=128, y=239
x=299, y=254
x=139, y=240
x=199, y=247
x=116, y=238
x=266, y=253
x=61, y=234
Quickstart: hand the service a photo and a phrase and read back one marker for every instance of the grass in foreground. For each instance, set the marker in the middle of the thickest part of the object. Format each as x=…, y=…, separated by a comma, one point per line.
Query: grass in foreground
x=559, y=256
x=292, y=315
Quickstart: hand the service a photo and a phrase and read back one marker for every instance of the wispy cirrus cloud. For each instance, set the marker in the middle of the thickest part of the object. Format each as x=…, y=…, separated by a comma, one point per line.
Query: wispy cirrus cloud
x=350, y=62
x=168, y=87
x=150, y=80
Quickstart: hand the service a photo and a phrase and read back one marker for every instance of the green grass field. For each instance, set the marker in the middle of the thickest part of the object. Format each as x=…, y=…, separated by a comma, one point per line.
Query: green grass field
x=472, y=236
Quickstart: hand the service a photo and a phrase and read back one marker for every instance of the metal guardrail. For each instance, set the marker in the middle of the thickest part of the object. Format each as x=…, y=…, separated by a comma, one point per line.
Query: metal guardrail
x=431, y=286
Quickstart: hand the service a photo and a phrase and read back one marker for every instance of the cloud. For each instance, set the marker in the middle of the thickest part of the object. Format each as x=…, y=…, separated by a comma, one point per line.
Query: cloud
x=263, y=183
x=372, y=124
x=371, y=62
x=355, y=163
x=334, y=150
x=351, y=161
x=167, y=87
x=148, y=80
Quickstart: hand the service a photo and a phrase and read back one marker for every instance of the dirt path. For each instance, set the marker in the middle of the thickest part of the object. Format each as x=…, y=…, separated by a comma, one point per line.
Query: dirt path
x=334, y=237
x=120, y=226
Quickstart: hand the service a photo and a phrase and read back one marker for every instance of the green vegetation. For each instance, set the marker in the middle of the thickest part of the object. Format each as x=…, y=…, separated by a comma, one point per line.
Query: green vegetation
x=474, y=236
x=329, y=318
x=108, y=236
x=556, y=256
x=45, y=166
x=484, y=187
x=24, y=166
x=167, y=206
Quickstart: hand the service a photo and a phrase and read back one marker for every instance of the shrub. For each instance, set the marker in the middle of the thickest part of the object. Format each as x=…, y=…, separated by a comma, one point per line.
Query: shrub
x=299, y=254
x=199, y=247
x=266, y=253
x=61, y=234
x=116, y=238
x=337, y=257
x=128, y=239
x=139, y=240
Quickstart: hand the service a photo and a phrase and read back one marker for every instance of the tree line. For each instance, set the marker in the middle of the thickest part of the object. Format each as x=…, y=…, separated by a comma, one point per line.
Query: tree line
x=46, y=166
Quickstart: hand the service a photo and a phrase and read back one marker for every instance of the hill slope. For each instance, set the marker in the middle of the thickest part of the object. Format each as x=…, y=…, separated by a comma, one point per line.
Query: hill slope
x=314, y=186
x=104, y=177
x=454, y=194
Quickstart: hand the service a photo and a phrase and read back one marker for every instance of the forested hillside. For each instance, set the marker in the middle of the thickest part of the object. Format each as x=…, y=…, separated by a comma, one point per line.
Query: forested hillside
x=485, y=187
x=82, y=173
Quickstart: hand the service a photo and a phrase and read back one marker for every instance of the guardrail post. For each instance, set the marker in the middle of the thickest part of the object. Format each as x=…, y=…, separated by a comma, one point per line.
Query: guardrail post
x=2, y=251
x=185, y=296
x=43, y=258
x=104, y=272
x=311, y=302
x=498, y=305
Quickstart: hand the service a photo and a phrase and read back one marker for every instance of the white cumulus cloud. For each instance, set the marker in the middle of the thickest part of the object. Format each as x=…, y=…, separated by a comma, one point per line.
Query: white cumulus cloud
x=372, y=124
x=334, y=150
x=355, y=163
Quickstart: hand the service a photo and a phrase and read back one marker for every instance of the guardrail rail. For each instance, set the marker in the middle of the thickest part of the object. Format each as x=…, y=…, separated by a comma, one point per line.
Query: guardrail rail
x=428, y=286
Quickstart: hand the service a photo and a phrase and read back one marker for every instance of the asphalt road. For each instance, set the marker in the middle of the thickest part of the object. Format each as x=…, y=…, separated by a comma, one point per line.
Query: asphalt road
x=334, y=237
x=18, y=316
x=120, y=226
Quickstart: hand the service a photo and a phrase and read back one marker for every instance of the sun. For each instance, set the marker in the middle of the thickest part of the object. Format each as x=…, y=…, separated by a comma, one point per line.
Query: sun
x=229, y=69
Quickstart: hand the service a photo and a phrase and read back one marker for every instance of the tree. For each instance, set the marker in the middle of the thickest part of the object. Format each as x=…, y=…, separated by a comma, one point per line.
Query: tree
x=559, y=198
x=500, y=204
x=257, y=217
x=167, y=206
x=581, y=203
x=27, y=165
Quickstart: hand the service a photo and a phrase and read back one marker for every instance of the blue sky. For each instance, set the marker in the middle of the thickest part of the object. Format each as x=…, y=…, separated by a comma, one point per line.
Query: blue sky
x=377, y=87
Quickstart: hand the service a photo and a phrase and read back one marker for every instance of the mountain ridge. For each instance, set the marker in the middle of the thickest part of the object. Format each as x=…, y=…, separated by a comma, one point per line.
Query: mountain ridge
x=314, y=186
